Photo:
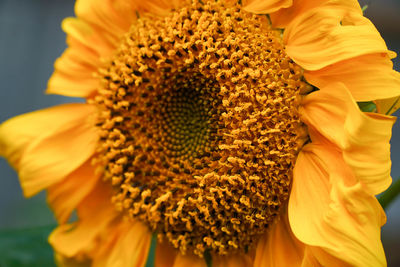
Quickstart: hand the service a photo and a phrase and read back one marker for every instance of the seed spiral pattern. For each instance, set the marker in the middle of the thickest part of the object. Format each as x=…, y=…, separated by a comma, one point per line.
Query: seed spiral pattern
x=199, y=126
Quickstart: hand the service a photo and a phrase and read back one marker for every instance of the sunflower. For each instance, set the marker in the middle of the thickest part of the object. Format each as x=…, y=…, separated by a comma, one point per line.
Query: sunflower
x=228, y=130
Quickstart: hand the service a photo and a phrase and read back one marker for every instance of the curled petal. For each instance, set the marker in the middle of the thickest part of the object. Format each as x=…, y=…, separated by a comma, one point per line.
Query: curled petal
x=368, y=77
x=342, y=211
x=326, y=35
x=388, y=106
x=363, y=137
x=283, y=17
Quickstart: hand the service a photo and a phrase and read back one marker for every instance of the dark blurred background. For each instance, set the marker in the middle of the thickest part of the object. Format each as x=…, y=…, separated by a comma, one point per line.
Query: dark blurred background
x=31, y=39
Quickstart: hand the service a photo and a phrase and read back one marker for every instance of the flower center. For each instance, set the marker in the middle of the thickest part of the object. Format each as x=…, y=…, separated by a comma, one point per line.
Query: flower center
x=199, y=126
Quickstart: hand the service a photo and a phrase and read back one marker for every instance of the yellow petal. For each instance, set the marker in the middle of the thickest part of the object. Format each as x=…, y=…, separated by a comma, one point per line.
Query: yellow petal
x=363, y=137
x=265, y=7
x=368, y=77
x=165, y=254
x=82, y=238
x=189, y=260
x=329, y=210
x=283, y=17
x=46, y=145
x=233, y=260
x=66, y=195
x=126, y=245
x=279, y=247
x=319, y=37
x=388, y=106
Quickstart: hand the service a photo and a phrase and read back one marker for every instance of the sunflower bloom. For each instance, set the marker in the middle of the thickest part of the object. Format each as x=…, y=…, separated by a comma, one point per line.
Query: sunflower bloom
x=229, y=130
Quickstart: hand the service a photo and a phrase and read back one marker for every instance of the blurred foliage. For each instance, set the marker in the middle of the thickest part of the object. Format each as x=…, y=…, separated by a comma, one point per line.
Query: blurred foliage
x=26, y=248
x=387, y=197
x=29, y=248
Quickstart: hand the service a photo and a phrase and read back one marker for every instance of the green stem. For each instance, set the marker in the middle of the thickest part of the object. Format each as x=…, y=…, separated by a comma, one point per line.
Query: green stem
x=152, y=252
x=207, y=258
x=390, y=194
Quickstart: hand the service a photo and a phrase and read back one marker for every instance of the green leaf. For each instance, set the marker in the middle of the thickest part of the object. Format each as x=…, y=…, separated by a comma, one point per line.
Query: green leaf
x=387, y=197
x=26, y=247
x=367, y=106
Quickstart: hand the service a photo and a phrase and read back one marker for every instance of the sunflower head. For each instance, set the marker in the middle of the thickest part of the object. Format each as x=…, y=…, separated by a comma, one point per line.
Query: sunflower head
x=200, y=126
x=224, y=128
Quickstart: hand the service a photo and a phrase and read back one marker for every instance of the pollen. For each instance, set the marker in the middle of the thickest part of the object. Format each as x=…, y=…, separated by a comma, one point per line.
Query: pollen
x=199, y=126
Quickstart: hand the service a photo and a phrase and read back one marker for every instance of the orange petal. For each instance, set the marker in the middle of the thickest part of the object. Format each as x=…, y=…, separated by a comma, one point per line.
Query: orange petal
x=126, y=245
x=66, y=195
x=320, y=37
x=73, y=77
x=279, y=247
x=165, y=254
x=283, y=17
x=388, y=106
x=158, y=7
x=81, y=239
x=74, y=73
x=189, y=260
x=46, y=145
x=112, y=18
x=116, y=16
x=368, y=77
x=232, y=261
x=363, y=137
x=62, y=261
x=85, y=34
x=265, y=7
x=327, y=211
x=316, y=256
